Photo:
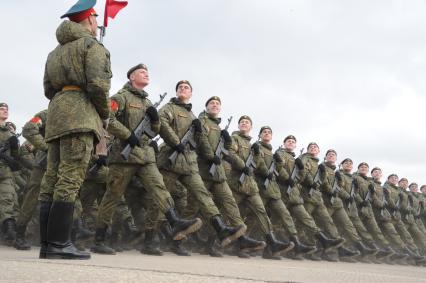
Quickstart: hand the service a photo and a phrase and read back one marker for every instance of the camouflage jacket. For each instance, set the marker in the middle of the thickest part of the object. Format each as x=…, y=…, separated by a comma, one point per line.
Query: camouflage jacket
x=5, y=171
x=330, y=197
x=128, y=108
x=238, y=154
x=417, y=203
x=364, y=205
x=379, y=203
x=291, y=197
x=393, y=196
x=209, y=141
x=78, y=61
x=261, y=173
x=311, y=167
x=34, y=132
x=345, y=194
x=176, y=119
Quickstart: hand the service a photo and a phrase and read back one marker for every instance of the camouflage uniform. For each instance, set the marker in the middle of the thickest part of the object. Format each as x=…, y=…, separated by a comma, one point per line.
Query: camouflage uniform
x=407, y=216
x=417, y=210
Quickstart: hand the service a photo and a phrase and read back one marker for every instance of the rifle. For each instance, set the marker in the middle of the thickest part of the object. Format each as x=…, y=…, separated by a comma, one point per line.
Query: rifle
x=250, y=164
x=385, y=204
x=317, y=181
x=293, y=176
x=220, y=150
x=188, y=138
x=95, y=167
x=336, y=189
x=144, y=127
x=11, y=162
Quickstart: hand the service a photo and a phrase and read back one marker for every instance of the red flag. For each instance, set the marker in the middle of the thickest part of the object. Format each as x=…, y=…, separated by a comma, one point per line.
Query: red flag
x=112, y=7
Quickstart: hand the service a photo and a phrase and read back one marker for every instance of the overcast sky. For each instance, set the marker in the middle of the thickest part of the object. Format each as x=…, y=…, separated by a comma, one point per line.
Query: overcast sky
x=346, y=74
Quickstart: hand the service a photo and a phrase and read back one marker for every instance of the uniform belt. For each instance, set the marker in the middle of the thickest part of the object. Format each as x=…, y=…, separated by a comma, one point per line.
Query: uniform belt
x=71, y=87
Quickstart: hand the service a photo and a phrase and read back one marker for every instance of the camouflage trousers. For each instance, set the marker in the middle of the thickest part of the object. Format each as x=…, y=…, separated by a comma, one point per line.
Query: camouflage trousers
x=372, y=227
x=322, y=218
x=9, y=206
x=403, y=233
x=67, y=161
x=418, y=236
x=195, y=186
x=119, y=177
x=224, y=200
x=344, y=223
x=30, y=201
x=391, y=234
x=279, y=214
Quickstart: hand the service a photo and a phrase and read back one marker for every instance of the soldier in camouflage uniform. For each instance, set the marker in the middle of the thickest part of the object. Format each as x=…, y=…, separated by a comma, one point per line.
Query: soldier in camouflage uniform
x=312, y=197
x=33, y=131
x=270, y=190
x=330, y=191
x=76, y=81
x=216, y=183
x=423, y=204
x=396, y=203
x=9, y=206
x=291, y=195
x=128, y=108
x=418, y=201
x=176, y=120
x=246, y=192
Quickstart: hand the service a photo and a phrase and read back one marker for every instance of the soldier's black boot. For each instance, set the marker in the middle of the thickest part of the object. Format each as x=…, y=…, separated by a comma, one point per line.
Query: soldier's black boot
x=100, y=246
x=328, y=243
x=150, y=244
x=44, y=219
x=130, y=230
x=300, y=248
x=59, y=233
x=80, y=232
x=364, y=249
x=198, y=243
x=20, y=241
x=344, y=252
x=212, y=247
x=248, y=245
x=274, y=247
x=225, y=233
x=178, y=249
x=114, y=241
x=9, y=230
x=181, y=227
x=414, y=255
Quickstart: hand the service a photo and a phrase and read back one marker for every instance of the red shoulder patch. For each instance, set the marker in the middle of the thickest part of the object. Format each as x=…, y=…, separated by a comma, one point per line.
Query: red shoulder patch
x=36, y=120
x=114, y=105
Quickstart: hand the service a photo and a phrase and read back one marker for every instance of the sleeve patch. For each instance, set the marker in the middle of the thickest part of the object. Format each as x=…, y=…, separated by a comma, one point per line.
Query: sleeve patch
x=114, y=106
x=36, y=120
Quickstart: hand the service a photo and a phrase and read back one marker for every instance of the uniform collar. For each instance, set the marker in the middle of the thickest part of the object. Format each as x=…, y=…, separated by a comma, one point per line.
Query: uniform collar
x=140, y=92
x=176, y=101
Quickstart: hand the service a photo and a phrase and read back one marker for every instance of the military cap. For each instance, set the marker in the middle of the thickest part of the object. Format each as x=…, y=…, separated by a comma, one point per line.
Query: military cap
x=245, y=117
x=2, y=104
x=80, y=10
x=330, y=150
x=392, y=175
x=346, y=160
x=375, y=169
x=212, y=98
x=137, y=67
x=362, y=164
x=264, y=128
x=312, y=143
x=183, y=82
x=290, y=137
x=403, y=179
x=412, y=184
x=423, y=187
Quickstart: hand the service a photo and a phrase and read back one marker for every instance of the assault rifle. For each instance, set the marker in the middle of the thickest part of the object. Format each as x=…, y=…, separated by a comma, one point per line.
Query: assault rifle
x=294, y=176
x=272, y=171
x=95, y=167
x=220, y=150
x=250, y=164
x=335, y=190
x=188, y=138
x=317, y=181
x=352, y=193
x=144, y=127
x=11, y=162
x=385, y=204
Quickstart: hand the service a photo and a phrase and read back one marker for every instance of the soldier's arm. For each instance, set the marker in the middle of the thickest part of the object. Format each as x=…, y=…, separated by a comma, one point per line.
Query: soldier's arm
x=49, y=91
x=98, y=76
x=326, y=186
x=261, y=168
x=343, y=194
x=166, y=131
x=205, y=149
x=404, y=203
x=115, y=127
x=26, y=158
x=308, y=178
x=155, y=126
x=233, y=158
x=31, y=131
x=283, y=174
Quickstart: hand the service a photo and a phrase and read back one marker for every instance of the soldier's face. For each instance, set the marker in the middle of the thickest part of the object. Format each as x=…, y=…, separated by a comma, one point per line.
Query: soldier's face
x=393, y=180
x=93, y=25
x=348, y=166
x=244, y=126
x=377, y=174
x=4, y=113
x=403, y=184
x=331, y=157
x=266, y=136
x=213, y=108
x=313, y=150
x=423, y=190
x=363, y=170
x=184, y=92
x=290, y=145
x=414, y=188
x=140, y=78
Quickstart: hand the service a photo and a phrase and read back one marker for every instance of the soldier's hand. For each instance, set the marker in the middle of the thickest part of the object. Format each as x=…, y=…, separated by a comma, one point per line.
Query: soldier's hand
x=197, y=125
x=246, y=170
x=256, y=149
x=299, y=163
x=338, y=176
x=102, y=160
x=321, y=168
x=154, y=145
x=133, y=140
x=152, y=113
x=105, y=123
x=216, y=160
x=180, y=148
x=278, y=158
x=401, y=196
x=371, y=189
x=226, y=136
x=350, y=199
x=270, y=176
x=291, y=182
x=13, y=142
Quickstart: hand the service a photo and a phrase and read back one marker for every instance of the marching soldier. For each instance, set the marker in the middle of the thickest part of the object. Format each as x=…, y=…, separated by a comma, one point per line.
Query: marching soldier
x=418, y=201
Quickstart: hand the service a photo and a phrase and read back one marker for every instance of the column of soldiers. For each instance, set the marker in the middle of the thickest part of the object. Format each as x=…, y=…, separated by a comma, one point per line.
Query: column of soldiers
x=93, y=170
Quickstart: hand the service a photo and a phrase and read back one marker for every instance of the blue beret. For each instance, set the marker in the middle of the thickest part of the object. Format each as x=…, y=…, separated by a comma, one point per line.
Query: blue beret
x=80, y=6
